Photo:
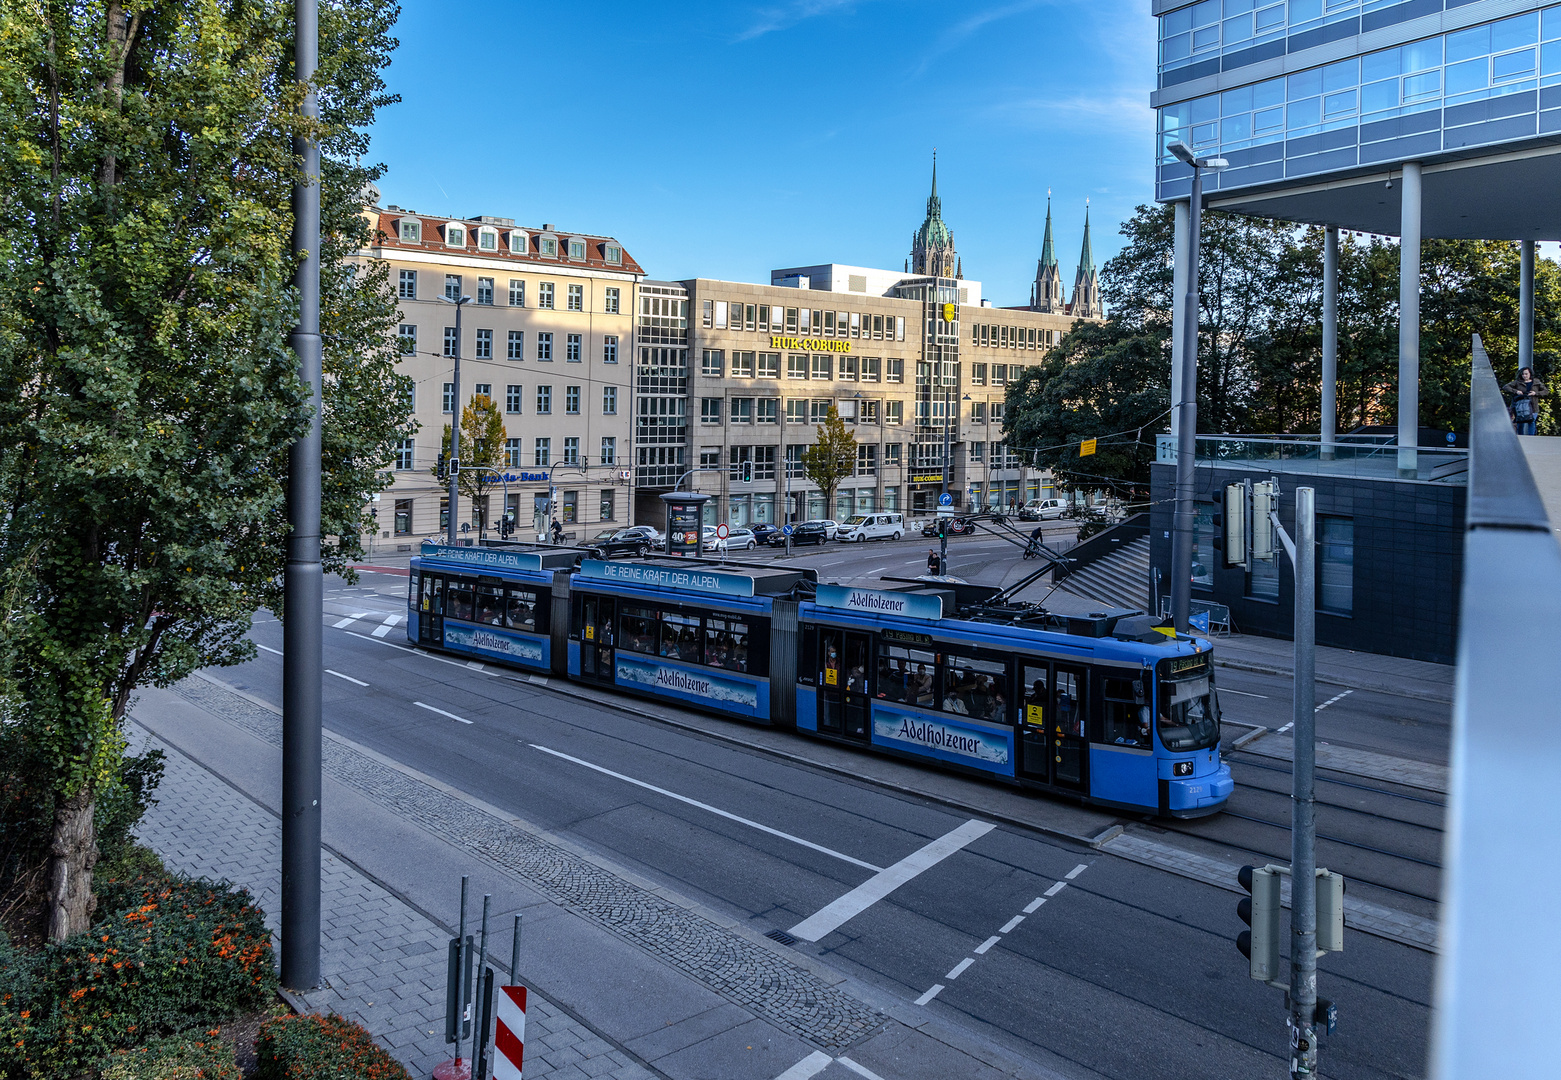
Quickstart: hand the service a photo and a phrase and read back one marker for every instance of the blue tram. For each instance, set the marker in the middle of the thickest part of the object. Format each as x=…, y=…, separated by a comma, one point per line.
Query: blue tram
x=1104, y=708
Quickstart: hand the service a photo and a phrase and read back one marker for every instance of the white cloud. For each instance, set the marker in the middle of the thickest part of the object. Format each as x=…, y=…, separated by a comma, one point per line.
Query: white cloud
x=782, y=16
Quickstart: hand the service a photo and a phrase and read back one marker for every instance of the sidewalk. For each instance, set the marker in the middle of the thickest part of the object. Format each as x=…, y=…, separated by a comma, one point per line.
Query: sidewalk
x=1358, y=670
x=627, y=978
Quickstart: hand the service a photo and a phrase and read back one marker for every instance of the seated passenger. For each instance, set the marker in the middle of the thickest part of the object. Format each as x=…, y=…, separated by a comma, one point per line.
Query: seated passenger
x=857, y=680
x=921, y=686
x=997, y=709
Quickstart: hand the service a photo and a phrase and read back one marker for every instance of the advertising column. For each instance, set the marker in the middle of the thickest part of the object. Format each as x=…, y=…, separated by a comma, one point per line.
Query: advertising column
x=685, y=511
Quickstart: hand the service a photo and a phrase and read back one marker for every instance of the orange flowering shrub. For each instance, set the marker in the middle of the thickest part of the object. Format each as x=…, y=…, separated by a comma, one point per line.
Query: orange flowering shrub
x=322, y=1048
x=190, y=1057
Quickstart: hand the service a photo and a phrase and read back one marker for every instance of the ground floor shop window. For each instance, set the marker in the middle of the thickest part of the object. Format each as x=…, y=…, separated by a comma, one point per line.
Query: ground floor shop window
x=403, y=517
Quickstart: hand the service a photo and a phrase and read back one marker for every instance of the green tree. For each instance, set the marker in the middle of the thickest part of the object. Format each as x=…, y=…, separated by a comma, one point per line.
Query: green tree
x=482, y=444
x=831, y=457
x=147, y=392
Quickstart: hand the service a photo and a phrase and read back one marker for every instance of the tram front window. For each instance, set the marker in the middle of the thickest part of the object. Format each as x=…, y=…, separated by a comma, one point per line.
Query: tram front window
x=1189, y=719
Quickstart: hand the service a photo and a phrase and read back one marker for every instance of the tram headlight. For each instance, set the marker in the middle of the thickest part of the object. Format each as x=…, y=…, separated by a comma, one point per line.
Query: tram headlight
x=1182, y=768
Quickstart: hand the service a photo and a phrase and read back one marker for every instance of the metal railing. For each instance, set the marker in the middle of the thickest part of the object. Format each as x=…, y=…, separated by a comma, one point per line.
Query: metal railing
x=1367, y=456
x=1497, y=1005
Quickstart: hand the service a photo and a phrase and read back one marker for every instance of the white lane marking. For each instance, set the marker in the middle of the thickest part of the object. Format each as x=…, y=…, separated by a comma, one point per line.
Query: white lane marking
x=988, y=943
x=1008, y=927
x=1057, y=888
x=1331, y=700
x=268, y=648
x=349, y=678
x=1243, y=693
x=419, y=652
x=441, y=712
x=1286, y=728
x=930, y=994
x=1034, y=905
x=810, y=1066
x=475, y=665
x=860, y=1070
x=874, y=570
x=348, y=619
x=387, y=626
x=712, y=809
x=959, y=969
x=1077, y=870
x=881, y=884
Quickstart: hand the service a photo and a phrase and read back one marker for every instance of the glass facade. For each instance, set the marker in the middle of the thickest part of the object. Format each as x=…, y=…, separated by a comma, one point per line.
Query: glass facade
x=1485, y=84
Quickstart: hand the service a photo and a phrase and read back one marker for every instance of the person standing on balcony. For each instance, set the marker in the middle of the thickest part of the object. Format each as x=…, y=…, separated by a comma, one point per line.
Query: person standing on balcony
x=1524, y=392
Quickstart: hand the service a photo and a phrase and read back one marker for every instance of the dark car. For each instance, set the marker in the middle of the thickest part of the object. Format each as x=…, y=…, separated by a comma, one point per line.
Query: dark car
x=636, y=540
x=764, y=530
x=807, y=532
x=957, y=526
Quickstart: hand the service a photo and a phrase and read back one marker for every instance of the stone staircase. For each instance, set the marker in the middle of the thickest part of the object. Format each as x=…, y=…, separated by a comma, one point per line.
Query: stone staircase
x=1120, y=579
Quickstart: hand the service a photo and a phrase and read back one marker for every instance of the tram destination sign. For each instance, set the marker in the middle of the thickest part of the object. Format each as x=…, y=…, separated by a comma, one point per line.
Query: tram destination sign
x=878, y=602
x=490, y=558
x=667, y=577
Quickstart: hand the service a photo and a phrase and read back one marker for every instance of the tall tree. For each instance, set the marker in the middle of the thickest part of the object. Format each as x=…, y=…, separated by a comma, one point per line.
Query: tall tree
x=831, y=457
x=147, y=392
x=482, y=448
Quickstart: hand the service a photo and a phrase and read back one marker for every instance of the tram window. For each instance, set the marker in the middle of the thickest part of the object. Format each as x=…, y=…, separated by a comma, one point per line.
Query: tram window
x=830, y=646
x=680, y=637
x=460, y=600
x=490, y=605
x=1126, y=716
x=1068, y=710
x=639, y=630
x=433, y=594
x=1037, y=683
x=906, y=675
x=974, y=687
x=1188, y=718
x=521, y=609
x=726, y=643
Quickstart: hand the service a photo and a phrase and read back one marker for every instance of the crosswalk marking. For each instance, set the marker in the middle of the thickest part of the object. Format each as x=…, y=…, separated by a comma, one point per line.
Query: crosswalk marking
x=348, y=620
x=388, y=625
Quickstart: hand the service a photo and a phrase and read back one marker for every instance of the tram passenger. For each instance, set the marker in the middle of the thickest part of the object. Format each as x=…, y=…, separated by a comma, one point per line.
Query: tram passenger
x=517, y=613
x=488, y=611
x=885, y=679
x=956, y=692
x=740, y=653
x=998, y=708
x=921, y=686
x=669, y=640
x=857, y=680
x=688, y=646
x=460, y=604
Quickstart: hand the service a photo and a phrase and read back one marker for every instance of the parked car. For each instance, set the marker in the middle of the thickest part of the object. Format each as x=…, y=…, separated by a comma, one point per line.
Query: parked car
x=831, y=527
x=762, y=531
x=957, y=526
x=808, y=532
x=872, y=527
x=636, y=540
x=738, y=539
x=1043, y=509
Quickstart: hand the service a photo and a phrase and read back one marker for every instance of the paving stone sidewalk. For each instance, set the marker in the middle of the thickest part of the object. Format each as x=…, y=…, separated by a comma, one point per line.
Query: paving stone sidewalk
x=384, y=960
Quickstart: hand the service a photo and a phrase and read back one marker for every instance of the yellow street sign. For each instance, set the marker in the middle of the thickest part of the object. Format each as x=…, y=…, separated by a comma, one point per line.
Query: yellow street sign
x=948, y=312
x=1086, y=448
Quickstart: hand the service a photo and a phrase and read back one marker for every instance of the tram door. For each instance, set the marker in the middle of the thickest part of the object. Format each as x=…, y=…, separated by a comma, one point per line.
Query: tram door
x=430, y=605
x=844, y=707
x=1053, y=740
x=596, y=644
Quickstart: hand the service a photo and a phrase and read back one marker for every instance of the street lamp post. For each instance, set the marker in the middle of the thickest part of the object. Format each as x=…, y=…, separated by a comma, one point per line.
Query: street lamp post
x=1187, y=414
x=455, y=420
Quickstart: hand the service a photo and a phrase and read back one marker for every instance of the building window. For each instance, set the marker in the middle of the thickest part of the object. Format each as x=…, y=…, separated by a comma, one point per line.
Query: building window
x=1336, y=564
x=999, y=374
x=545, y=346
x=769, y=365
x=847, y=368
x=487, y=240
x=870, y=411
x=1263, y=581
x=517, y=345
x=872, y=368
x=894, y=412
x=517, y=292
x=768, y=411
x=894, y=369
x=796, y=365
x=867, y=461
x=483, y=389
x=742, y=410
x=609, y=401
x=543, y=452
x=406, y=333
x=548, y=246
x=977, y=374
x=519, y=243
x=512, y=453
x=512, y=397
x=544, y=399
x=791, y=320
x=978, y=412
x=794, y=466
x=452, y=286
x=410, y=230
x=706, y=307
x=978, y=452
x=484, y=345
x=720, y=314
x=613, y=254
x=576, y=300
x=450, y=341
x=609, y=450
x=742, y=365
x=408, y=285
x=736, y=455
x=818, y=410
x=710, y=410
x=878, y=327
x=572, y=400
x=449, y=397
x=609, y=510
x=577, y=249
x=404, y=454
x=572, y=349
x=485, y=290
x=796, y=410
x=403, y=524
x=572, y=450
x=997, y=412
x=892, y=453
x=713, y=363
x=610, y=300
x=609, y=348
x=455, y=235
x=545, y=294
x=709, y=457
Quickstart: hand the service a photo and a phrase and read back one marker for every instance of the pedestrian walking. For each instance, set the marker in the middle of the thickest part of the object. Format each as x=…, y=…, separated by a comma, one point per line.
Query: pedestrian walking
x=558, y=532
x=1524, y=393
x=933, y=562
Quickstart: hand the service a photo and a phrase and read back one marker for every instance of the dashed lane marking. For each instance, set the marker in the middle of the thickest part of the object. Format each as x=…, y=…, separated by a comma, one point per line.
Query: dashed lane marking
x=860, y=1070
x=987, y=944
x=958, y=969
x=1331, y=700
x=1077, y=870
x=349, y=678
x=441, y=712
x=808, y=1067
x=1008, y=927
x=1034, y=905
x=268, y=648
x=935, y=990
x=1057, y=888
x=420, y=652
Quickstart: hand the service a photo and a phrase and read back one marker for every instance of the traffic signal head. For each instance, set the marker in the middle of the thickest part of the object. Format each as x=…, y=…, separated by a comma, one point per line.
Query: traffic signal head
x=1260, y=911
x=1265, y=498
x=748, y=472
x=1330, y=911
x=440, y=468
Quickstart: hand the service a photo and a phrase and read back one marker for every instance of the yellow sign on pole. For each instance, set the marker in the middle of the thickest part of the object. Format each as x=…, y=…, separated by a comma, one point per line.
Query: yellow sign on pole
x=1086, y=448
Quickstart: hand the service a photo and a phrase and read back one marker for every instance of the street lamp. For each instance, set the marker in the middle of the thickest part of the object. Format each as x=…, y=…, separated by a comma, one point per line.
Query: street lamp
x=1187, y=419
x=455, y=420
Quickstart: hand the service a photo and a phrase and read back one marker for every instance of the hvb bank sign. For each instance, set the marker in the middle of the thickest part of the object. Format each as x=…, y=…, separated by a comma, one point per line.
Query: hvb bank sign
x=876, y=602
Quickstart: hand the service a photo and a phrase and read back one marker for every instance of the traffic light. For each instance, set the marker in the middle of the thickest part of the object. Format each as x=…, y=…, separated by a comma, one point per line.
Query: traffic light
x=440, y=468
x=1260, y=911
x=748, y=472
x=1330, y=911
x=1265, y=498
x=1236, y=524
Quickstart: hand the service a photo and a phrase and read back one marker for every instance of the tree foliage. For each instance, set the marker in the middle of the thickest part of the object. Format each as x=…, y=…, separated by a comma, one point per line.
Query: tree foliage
x=482, y=446
x=831, y=457
x=147, y=391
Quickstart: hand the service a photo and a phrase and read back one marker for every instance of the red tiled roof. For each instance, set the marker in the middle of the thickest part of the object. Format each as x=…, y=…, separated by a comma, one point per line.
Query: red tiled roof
x=433, y=240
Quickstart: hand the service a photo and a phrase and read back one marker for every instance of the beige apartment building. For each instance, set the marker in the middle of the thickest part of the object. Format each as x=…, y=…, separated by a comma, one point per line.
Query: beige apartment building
x=548, y=335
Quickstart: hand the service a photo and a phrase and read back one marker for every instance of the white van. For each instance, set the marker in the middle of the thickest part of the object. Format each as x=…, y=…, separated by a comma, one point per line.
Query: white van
x=872, y=527
x=1045, y=509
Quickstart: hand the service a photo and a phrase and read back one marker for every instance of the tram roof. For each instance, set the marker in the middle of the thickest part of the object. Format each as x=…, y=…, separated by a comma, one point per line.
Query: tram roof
x=767, y=580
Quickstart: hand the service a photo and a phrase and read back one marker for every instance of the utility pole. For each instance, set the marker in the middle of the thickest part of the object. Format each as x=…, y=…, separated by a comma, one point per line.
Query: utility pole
x=302, y=581
x=1303, y=828
x=455, y=420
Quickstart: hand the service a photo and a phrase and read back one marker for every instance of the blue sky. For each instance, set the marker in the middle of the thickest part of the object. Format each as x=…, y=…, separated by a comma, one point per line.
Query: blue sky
x=724, y=139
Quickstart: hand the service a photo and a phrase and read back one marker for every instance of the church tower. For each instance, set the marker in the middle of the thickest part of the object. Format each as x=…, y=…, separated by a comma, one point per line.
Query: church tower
x=1046, y=290
x=1086, y=284
x=932, y=245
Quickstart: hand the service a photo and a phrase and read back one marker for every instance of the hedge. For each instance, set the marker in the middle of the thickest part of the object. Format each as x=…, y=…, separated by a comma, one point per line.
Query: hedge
x=188, y=1057
x=321, y=1048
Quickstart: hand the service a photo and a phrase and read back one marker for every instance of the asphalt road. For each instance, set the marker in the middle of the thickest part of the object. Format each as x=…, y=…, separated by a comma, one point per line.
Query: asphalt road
x=1123, y=971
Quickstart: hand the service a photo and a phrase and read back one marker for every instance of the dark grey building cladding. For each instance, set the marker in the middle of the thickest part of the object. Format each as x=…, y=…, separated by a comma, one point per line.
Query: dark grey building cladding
x=1408, y=560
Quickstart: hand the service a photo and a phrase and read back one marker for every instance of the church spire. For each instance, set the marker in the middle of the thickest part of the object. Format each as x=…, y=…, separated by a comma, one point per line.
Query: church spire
x=1087, y=254
x=1048, y=250
x=932, y=246
x=1086, y=284
x=1046, y=290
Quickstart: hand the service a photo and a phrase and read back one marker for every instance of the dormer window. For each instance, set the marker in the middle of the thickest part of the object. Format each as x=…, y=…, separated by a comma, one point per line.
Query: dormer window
x=613, y=254
x=519, y=244
x=487, y=240
x=577, y=249
x=410, y=230
x=549, y=246
x=455, y=235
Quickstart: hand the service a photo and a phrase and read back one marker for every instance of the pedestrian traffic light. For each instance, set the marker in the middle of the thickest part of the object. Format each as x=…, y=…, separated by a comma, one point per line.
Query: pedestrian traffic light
x=1330, y=911
x=1260, y=911
x=748, y=472
x=440, y=468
